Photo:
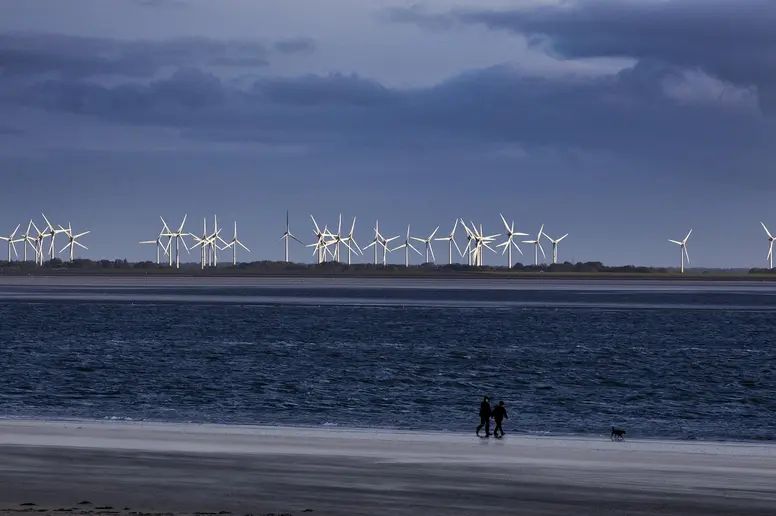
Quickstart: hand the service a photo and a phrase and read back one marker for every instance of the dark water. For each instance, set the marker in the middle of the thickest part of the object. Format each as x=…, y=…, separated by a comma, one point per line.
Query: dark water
x=686, y=365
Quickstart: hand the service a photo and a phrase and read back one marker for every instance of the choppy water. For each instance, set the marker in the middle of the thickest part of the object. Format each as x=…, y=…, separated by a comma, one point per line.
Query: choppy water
x=691, y=364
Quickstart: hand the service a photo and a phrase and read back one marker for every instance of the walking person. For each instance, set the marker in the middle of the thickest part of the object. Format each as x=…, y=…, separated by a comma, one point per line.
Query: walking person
x=499, y=413
x=485, y=414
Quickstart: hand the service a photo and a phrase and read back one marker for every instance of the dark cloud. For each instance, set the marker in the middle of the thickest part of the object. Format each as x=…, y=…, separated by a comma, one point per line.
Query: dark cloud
x=629, y=113
x=732, y=40
x=69, y=57
x=295, y=46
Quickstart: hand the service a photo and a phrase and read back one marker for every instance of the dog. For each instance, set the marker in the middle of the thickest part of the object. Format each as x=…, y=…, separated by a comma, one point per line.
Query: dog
x=617, y=434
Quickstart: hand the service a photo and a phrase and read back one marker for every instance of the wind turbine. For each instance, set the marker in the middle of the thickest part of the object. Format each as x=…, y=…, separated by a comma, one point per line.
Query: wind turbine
x=72, y=240
x=320, y=243
x=507, y=245
x=683, y=246
x=215, y=238
x=377, y=240
x=427, y=243
x=12, y=243
x=350, y=239
x=770, y=246
x=234, y=243
x=29, y=241
x=407, y=245
x=178, y=237
x=52, y=233
x=337, y=240
x=451, y=239
x=537, y=245
x=39, y=244
x=555, y=246
x=288, y=235
x=159, y=244
x=480, y=243
x=468, y=249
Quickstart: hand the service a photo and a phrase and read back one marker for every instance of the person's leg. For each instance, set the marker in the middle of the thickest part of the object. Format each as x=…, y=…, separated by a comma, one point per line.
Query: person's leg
x=483, y=422
x=498, y=429
x=487, y=426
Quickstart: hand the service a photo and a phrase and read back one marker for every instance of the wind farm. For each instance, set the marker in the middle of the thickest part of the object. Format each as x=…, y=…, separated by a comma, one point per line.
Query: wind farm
x=472, y=249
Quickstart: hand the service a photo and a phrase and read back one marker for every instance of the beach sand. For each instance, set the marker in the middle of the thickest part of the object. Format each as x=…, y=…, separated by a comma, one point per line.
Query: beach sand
x=132, y=468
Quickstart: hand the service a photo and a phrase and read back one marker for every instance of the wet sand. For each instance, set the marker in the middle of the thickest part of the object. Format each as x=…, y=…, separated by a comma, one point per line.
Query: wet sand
x=126, y=468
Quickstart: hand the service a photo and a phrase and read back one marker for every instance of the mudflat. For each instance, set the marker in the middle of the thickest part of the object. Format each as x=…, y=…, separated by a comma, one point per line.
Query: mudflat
x=80, y=467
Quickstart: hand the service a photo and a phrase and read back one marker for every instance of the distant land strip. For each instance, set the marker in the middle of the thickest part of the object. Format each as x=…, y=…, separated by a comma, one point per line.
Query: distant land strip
x=567, y=270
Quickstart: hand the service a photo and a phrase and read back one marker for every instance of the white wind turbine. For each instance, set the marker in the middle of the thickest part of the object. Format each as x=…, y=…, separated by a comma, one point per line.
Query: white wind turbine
x=215, y=238
x=770, y=246
x=469, y=239
x=683, y=248
x=12, y=241
x=234, y=243
x=41, y=236
x=407, y=245
x=480, y=243
x=29, y=240
x=351, y=239
x=178, y=236
x=159, y=244
x=376, y=241
x=427, y=243
x=288, y=236
x=72, y=240
x=510, y=242
x=451, y=239
x=537, y=245
x=555, y=246
x=52, y=233
x=202, y=243
x=337, y=240
x=320, y=244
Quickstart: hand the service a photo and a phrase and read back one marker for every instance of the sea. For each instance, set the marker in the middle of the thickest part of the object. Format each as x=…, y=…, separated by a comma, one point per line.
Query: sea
x=662, y=359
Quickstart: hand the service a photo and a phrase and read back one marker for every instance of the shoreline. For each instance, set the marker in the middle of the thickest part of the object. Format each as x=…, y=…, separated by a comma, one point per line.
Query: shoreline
x=269, y=428
x=286, y=470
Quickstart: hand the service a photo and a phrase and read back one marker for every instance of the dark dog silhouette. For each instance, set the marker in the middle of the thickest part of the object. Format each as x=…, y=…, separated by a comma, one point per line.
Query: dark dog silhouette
x=617, y=434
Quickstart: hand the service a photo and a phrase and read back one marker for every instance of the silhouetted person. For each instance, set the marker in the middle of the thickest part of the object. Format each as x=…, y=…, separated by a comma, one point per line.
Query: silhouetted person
x=484, y=417
x=499, y=413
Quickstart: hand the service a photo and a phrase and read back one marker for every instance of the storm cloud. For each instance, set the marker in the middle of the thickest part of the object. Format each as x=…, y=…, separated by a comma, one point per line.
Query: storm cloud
x=734, y=41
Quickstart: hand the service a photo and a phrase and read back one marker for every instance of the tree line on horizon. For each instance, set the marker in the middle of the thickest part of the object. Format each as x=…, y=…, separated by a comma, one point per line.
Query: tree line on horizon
x=277, y=267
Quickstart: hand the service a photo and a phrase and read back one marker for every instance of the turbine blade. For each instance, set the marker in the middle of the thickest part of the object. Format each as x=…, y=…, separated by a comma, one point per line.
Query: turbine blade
x=541, y=249
x=766, y=230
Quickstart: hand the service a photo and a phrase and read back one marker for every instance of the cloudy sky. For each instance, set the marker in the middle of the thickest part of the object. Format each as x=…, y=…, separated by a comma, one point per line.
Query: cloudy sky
x=621, y=122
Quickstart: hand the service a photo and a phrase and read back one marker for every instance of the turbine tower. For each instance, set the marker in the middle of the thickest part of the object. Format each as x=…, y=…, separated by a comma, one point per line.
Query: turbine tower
x=12, y=241
x=537, y=245
x=770, y=246
x=288, y=235
x=510, y=242
x=555, y=246
x=427, y=243
x=683, y=248
x=320, y=244
x=407, y=245
x=159, y=244
x=451, y=239
x=233, y=244
x=72, y=240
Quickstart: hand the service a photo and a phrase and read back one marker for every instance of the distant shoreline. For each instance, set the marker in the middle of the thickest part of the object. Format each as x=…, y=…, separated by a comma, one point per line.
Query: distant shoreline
x=392, y=274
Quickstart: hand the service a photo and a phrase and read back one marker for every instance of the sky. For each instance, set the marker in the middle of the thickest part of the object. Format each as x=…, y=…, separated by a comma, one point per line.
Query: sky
x=623, y=123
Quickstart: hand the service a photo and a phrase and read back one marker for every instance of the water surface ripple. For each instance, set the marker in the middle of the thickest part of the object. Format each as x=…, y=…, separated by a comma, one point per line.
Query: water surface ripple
x=673, y=369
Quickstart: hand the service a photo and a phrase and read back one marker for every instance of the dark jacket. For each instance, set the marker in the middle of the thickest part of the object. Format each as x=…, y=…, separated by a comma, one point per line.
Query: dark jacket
x=484, y=409
x=499, y=413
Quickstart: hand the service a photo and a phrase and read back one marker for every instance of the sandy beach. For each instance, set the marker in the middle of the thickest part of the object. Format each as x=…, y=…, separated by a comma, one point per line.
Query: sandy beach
x=131, y=468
